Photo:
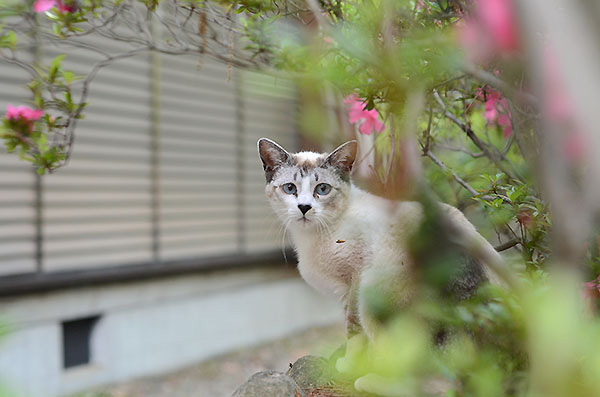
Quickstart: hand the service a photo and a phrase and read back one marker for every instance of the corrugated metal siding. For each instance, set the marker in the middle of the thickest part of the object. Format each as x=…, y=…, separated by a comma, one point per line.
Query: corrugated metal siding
x=97, y=210
x=268, y=110
x=113, y=205
x=197, y=159
x=17, y=188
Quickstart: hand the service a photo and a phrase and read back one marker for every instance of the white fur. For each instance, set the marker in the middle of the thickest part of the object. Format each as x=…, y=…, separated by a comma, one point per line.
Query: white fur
x=371, y=231
x=308, y=156
x=353, y=239
x=374, y=252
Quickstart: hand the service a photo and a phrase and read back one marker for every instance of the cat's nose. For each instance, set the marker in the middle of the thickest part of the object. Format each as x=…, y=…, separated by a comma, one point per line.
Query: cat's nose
x=304, y=208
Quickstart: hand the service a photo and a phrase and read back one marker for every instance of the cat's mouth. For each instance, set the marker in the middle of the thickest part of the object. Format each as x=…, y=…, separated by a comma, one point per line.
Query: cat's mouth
x=303, y=219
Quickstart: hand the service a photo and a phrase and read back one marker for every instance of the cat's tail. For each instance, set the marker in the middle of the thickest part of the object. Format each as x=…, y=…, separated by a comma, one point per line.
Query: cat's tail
x=464, y=235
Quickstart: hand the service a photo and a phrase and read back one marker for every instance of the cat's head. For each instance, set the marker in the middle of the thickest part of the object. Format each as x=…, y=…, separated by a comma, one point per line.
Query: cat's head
x=306, y=189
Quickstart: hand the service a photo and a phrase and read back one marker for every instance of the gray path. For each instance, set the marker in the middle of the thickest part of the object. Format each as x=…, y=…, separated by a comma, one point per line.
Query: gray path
x=221, y=375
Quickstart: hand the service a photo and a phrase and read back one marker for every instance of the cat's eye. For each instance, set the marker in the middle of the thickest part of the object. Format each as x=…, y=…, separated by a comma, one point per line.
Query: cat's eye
x=289, y=188
x=323, y=189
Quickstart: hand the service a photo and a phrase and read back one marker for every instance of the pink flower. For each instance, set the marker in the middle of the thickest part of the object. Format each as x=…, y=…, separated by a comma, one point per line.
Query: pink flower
x=496, y=110
x=491, y=30
x=368, y=119
x=505, y=123
x=45, y=5
x=498, y=16
x=490, y=110
x=23, y=115
x=591, y=293
x=594, y=284
x=328, y=40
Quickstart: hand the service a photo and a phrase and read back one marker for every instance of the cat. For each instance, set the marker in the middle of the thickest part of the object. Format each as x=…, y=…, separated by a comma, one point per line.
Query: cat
x=348, y=240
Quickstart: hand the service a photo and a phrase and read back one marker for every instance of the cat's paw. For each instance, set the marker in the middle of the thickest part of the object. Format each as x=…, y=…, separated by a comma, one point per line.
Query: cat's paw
x=355, y=348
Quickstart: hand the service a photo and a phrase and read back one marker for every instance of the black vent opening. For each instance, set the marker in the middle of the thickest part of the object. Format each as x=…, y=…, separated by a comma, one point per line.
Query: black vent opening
x=76, y=341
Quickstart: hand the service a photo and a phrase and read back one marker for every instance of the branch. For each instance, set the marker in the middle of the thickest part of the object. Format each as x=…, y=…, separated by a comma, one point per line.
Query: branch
x=73, y=117
x=51, y=39
x=459, y=149
x=318, y=13
x=457, y=178
x=496, y=158
x=23, y=65
x=511, y=139
x=488, y=78
x=507, y=245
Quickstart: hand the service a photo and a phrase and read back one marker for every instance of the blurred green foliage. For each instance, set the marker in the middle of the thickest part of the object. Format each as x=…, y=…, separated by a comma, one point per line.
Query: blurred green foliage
x=4, y=330
x=538, y=338
x=533, y=339
x=535, y=342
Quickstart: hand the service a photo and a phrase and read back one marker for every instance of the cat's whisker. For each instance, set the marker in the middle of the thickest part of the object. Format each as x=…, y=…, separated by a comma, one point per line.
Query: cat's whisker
x=325, y=223
x=281, y=230
x=324, y=226
x=274, y=223
x=320, y=226
x=285, y=228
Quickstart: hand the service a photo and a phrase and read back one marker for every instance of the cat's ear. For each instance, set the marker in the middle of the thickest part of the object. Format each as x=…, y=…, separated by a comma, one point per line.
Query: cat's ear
x=272, y=156
x=343, y=157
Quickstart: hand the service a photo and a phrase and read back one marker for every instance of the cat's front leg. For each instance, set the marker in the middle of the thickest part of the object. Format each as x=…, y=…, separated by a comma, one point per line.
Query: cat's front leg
x=353, y=326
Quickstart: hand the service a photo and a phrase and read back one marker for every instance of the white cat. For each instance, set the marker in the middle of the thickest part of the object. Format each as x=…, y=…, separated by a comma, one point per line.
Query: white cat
x=348, y=240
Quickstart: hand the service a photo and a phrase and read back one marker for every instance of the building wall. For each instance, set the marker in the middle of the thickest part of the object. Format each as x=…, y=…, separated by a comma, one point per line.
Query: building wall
x=164, y=171
x=153, y=327
x=164, y=167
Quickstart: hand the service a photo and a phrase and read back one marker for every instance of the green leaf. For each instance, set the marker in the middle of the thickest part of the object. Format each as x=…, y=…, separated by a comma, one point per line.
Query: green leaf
x=9, y=40
x=68, y=76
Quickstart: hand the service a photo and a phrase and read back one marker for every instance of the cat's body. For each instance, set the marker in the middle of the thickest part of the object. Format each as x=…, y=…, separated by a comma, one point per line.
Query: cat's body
x=330, y=258
x=348, y=240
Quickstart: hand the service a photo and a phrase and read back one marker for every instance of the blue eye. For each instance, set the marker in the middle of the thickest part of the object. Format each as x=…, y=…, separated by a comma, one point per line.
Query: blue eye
x=289, y=188
x=323, y=189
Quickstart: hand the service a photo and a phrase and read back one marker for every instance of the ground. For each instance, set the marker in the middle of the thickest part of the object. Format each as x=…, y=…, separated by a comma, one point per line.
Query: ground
x=221, y=375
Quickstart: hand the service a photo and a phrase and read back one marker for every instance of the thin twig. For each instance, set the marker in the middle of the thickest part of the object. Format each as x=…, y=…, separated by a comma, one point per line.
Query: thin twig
x=458, y=149
x=428, y=131
x=496, y=158
x=511, y=139
x=392, y=153
x=488, y=78
x=457, y=178
x=507, y=245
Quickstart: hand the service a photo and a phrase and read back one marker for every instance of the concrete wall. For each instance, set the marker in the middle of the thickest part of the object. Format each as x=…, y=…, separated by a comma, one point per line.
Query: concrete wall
x=152, y=327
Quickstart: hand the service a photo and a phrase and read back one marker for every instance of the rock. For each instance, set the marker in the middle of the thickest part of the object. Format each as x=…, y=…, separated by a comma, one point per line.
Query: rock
x=269, y=384
x=311, y=371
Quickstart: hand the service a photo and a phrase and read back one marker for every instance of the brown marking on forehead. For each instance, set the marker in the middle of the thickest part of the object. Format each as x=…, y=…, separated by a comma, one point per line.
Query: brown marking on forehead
x=304, y=171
